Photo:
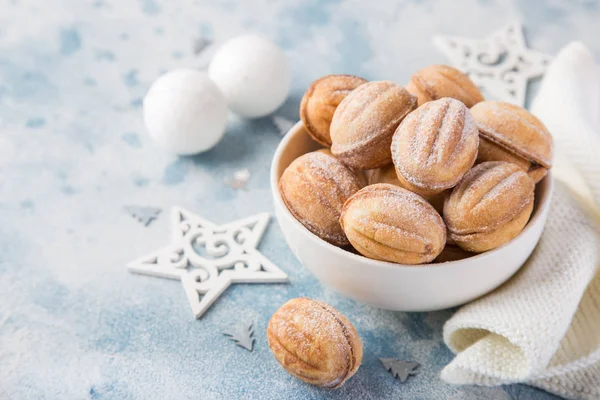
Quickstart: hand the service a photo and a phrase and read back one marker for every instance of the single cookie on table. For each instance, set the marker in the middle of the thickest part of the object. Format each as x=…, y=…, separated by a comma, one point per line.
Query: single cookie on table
x=365, y=121
x=314, y=342
x=437, y=81
x=388, y=174
x=435, y=146
x=511, y=133
x=490, y=206
x=389, y=223
x=321, y=100
x=314, y=187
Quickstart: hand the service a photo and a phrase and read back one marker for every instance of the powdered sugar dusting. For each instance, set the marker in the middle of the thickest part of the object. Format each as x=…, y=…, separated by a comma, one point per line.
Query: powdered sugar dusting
x=309, y=332
x=396, y=218
x=506, y=185
x=366, y=120
x=386, y=229
x=330, y=171
x=321, y=100
x=492, y=194
x=314, y=188
x=436, y=145
x=516, y=129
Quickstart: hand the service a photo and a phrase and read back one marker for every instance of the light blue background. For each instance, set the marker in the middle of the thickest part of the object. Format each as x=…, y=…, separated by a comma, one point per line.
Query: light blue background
x=74, y=324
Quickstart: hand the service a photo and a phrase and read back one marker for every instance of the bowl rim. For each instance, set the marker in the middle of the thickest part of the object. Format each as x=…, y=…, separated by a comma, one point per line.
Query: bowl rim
x=542, y=206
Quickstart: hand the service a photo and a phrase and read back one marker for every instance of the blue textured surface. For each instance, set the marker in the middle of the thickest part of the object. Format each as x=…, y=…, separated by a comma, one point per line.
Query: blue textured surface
x=73, y=151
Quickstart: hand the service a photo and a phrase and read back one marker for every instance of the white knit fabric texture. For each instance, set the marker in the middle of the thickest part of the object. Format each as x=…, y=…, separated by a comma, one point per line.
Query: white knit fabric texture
x=543, y=326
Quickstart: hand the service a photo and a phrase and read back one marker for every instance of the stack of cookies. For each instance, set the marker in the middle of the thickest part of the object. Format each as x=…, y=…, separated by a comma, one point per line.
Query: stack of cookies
x=427, y=173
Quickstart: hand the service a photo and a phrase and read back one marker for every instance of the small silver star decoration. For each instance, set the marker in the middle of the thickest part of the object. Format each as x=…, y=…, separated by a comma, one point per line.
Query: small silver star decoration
x=145, y=215
x=400, y=369
x=501, y=64
x=242, y=336
x=208, y=258
x=200, y=44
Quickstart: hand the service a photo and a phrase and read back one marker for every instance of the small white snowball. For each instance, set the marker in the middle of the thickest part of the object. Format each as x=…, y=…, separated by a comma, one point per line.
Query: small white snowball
x=253, y=74
x=185, y=112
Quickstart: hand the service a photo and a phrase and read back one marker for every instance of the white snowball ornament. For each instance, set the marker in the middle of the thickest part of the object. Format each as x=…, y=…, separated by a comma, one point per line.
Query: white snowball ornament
x=253, y=74
x=185, y=112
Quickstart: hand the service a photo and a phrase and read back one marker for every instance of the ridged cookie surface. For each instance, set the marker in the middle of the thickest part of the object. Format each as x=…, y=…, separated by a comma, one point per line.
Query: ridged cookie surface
x=364, y=123
x=437, y=81
x=435, y=146
x=314, y=342
x=389, y=223
x=314, y=187
x=320, y=102
x=490, y=206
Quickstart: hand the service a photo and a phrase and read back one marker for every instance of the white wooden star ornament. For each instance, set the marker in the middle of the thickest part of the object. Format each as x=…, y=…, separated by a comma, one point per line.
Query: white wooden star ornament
x=501, y=64
x=207, y=258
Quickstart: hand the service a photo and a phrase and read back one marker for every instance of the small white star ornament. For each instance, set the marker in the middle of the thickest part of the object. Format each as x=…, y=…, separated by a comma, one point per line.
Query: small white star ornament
x=501, y=64
x=207, y=258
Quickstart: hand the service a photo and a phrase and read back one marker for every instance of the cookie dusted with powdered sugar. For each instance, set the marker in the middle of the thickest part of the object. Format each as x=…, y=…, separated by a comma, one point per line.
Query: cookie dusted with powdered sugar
x=511, y=133
x=365, y=121
x=435, y=146
x=438, y=81
x=320, y=102
x=490, y=206
x=314, y=187
x=388, y=174
x=389, y=223
x=314, y=342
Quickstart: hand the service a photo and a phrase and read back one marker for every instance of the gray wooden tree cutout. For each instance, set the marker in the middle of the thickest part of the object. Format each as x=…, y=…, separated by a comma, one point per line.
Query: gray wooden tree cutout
x=143, y=214
x=200, y=44
x=242, y=336
x=400, y=369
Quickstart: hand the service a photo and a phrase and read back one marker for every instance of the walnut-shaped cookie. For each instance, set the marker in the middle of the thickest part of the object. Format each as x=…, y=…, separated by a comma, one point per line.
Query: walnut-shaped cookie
x=365, y=121
x=360, y=174
x=511, y=133
x=435, y=146
x=388, y=174
x=437, y=81
x=389, y=223
x=490, y=206
x=314, y=342
x=320, y=101
x=314, y=187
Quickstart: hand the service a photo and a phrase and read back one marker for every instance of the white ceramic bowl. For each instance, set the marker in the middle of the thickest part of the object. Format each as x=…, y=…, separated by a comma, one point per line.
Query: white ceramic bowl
x=395, y=286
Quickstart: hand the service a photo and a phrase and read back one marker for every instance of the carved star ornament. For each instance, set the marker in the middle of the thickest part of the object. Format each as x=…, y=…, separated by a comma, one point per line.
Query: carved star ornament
x=500, y=64
x=207, y=258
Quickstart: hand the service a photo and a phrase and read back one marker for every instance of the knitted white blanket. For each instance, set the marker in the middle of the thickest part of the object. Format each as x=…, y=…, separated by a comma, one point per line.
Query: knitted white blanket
x=543, y=326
